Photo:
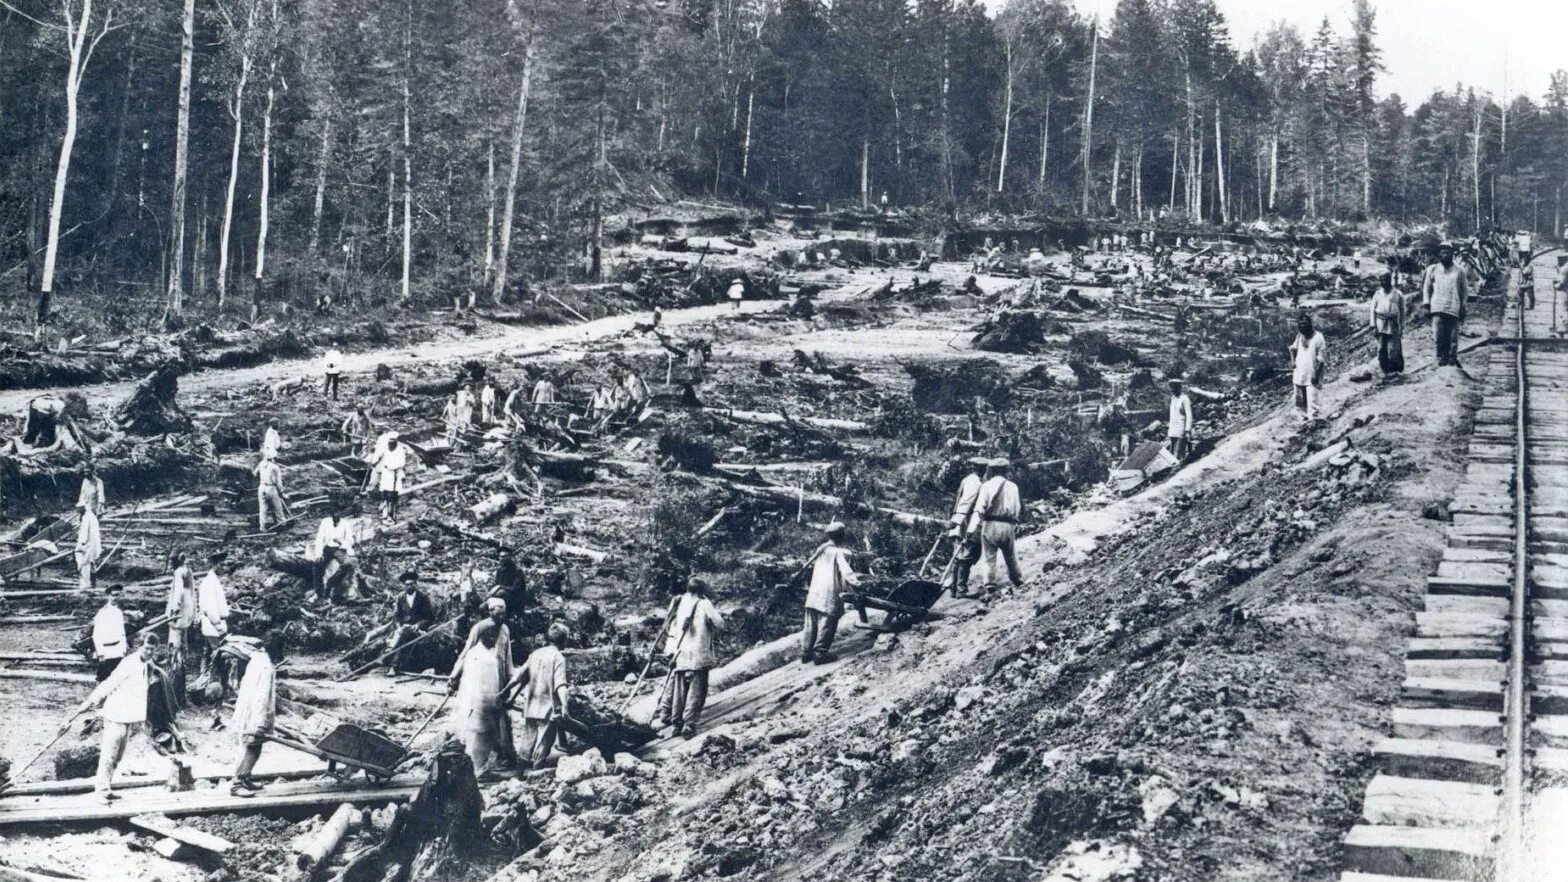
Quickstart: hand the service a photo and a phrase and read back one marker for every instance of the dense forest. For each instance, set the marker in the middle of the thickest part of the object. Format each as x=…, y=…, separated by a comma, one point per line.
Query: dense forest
x=187, y=155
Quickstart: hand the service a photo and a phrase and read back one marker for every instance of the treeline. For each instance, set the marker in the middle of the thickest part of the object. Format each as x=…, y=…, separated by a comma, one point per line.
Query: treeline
x=173, y=155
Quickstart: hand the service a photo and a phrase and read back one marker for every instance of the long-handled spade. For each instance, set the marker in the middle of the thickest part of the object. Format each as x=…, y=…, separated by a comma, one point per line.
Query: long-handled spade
x=652, y=651
x=16, y=773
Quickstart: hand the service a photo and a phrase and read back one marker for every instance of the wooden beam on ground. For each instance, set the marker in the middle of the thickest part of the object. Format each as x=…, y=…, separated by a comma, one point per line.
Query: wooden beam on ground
x=308, y=794
x=162, y=826
x=34, y=620
x=778, y=419
x=48, y=676
x=85, y=785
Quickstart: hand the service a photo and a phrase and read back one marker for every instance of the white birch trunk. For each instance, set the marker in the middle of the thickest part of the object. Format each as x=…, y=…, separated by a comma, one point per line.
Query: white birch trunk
x=1273, y=172
x=236, y=110
x=79, y=52
x=489, y=268
x=745, y=150
x=182, y=141
x=519, y=122
x=1219, y=166
x=1007, y=122
x=1088, y=115
x=1116, y=174
x=321, y=186
x=266, y=178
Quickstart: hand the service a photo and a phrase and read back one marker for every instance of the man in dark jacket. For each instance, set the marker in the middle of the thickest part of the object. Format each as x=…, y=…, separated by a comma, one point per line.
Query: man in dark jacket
x=412, y=615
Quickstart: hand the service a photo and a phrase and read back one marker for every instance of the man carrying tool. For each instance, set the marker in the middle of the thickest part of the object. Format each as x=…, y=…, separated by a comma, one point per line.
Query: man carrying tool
x=255, y=713
x=109, y=643
x=1445, y=290
x=181, y=609
x=965, y=553
x=89, y=547
x=92, y=494
x=830, y=574
x=542, y=685
x=1179, y=422
x=212, y=606
x=689, y=642
x=121, y=702
x=997, y=511
x=412, y=615
x=477, y=713
x=269, y=493
x=1309, y=361
x=359, y=431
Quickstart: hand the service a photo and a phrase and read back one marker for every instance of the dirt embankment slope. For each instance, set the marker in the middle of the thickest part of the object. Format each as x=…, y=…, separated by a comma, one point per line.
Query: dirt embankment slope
x=1193, y=700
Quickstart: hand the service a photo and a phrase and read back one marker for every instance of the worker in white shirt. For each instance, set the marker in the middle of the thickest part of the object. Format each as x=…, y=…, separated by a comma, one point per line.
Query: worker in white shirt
x=180, y=608
x=689, y=642
x=831, y=574
x=998, y=510
x=737, y=292
x=332, y=364
x=390, y=467
x=1309, y=355
x=89, y=546
x=255, y=713
x=109, y=643
x=333, y=552
x=269, y=493
x=212, y=608
x=121, y=701
x=487, y=403
x=965, y=553
x=543, y=393
x=1179, y=424
x=92, y=492
x=270, y=442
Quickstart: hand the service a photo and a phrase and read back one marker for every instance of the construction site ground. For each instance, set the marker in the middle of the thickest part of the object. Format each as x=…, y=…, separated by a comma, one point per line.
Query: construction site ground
x=1185, y=688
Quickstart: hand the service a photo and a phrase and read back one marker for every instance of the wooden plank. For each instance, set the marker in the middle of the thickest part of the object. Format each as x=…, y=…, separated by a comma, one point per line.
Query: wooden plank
x=310, y=794
x=85, y=785
x=50, y=676
x=185, y=835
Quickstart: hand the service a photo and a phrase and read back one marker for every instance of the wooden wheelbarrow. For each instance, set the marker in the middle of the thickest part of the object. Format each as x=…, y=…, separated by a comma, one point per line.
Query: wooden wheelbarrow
x=349, y=746
x=905, y=604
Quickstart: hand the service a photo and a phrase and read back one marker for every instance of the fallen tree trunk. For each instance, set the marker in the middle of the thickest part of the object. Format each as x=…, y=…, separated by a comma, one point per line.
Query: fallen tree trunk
x=492, y=507
x=319, y=848
x=779, y=419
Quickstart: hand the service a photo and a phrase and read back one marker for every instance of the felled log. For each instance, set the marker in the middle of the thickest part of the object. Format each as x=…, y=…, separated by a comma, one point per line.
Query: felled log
x=320, y=846
x=780, y=419
x=791, y=497
x=492, y=507
x=568, y=550
x=1144, y=313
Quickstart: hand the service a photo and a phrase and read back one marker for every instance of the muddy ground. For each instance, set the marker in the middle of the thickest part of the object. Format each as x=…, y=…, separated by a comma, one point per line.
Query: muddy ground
x=1112, y=697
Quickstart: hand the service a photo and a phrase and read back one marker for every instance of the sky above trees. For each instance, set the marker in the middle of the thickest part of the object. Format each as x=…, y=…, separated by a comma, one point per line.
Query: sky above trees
x=1427, y=44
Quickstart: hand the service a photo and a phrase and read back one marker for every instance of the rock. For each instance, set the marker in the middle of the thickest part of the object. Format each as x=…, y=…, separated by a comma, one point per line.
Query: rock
x=602, y=792
x=967, y=696
x=1436, y=511
x=1158, y=798
x=773, y=788
x=628, y=764
x=173, y=849
x=904, y=750
x=714, y=744
x=572, y=769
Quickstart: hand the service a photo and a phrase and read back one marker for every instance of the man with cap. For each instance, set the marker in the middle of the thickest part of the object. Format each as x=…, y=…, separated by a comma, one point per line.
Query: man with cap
x=737, y=292
x=831, y=573
x=212, y=608
x=332, y=550
x=109, y=644
x=965, y=553
x=998, y=509
x=545, y=694
x=495, y=610
x=89, y=546
x=1309, y=360
x=1179, y=422
x=1445, y=290
x=689, y=641
x=333, y=366
x=269, y=492
x=121, y=701
x=412, y=615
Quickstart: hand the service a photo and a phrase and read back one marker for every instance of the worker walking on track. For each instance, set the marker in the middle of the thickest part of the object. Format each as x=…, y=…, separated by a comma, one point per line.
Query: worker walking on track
x=1309, y=361
x=831, y=573
x=1179, y=421
x=689, y=641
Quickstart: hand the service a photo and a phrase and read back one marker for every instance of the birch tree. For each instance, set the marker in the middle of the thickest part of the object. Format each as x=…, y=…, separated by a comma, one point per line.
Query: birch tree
x=523, y=28
x=240, y=22
x=175, y=308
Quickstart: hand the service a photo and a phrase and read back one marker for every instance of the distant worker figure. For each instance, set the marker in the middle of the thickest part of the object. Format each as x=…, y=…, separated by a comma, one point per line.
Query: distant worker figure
x=487, y=403
x=212, y=609
x=1036, y=265
x=737, y=292
x=412, y=615
x=998, y=509
x=831, y=573
x=966, y=552
x=1445, y=290
x=109, y=644
x=89, y=546
x=543, y=393
x=1179, y=424
x=1560, y=291
x=390, y=467
x=1308, y=353
x=92, y=491
x=270, y=442
x=269, y=493
x=1388, y=323
x=359, y=431
x=181, y=609
x=1523, y=243
x=332, y=366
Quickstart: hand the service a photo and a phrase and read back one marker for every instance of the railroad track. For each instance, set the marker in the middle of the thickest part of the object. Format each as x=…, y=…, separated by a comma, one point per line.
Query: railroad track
x=1473, y=785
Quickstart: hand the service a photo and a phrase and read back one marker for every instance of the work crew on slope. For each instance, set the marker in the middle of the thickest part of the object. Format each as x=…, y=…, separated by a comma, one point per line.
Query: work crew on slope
x=1388, y=323
x=998, y=509
x=689, y=641
x=1445, y=291
x=1179, y=422
x=831, y=573
x=1309, y=353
